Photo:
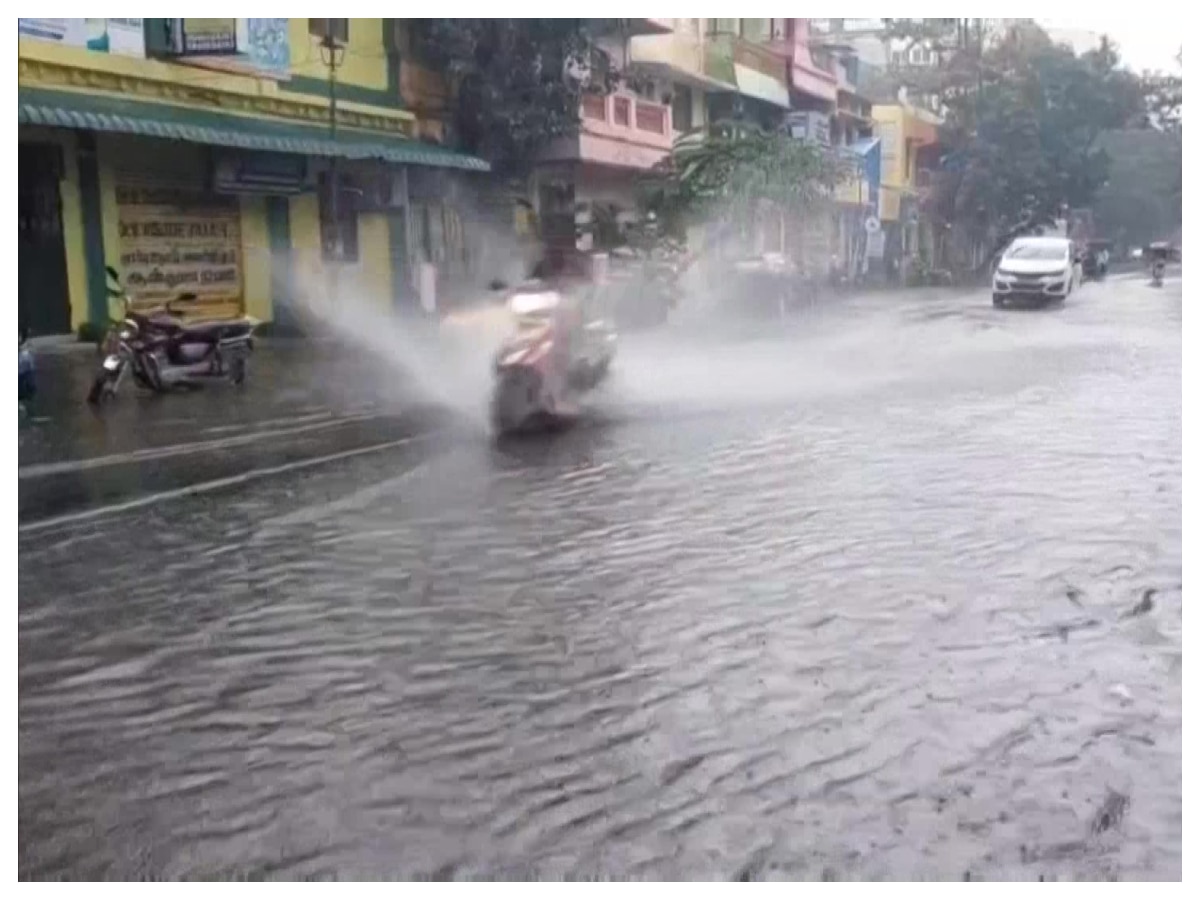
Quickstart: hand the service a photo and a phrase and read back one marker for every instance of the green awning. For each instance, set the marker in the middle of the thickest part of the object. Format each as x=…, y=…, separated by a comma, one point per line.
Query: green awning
x=91, y=112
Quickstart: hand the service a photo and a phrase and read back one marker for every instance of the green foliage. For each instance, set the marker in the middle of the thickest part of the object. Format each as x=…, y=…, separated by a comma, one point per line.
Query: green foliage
x=728, y=174
x=516, y=82
x=1026, y=138
x=1164, y=101
x=1142, y=201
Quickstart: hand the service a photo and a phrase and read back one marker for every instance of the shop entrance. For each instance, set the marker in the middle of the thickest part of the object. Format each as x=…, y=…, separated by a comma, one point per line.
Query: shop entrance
x=43, y=301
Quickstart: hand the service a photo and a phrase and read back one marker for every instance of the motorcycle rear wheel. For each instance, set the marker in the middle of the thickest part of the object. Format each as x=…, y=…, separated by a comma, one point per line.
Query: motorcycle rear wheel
x=237, y=370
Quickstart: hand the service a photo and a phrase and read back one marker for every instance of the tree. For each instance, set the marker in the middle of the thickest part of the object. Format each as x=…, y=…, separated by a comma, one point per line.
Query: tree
x=516, y=83
x=1143, y=200
x=1023, y=135
x=1163, y=94
x=729, y=175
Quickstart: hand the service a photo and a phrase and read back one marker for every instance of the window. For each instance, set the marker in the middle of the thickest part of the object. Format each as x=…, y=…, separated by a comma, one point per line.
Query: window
x=780, y=29
x=343, y=232
x=756, y=30
x=337, y=30
x=681, y=108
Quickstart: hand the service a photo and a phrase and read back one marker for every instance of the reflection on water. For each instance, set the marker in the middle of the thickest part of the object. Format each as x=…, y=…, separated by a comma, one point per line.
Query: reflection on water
x=885, y=617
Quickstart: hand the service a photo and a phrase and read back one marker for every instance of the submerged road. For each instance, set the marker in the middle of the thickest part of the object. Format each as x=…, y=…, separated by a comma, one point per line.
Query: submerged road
x=894, y=592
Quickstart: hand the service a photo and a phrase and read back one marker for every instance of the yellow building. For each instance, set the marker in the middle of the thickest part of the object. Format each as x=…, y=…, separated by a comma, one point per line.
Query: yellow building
x=194, y=155
x=905, y=131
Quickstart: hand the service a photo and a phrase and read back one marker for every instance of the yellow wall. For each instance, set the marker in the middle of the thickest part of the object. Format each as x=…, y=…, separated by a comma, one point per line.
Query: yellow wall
x=902, y=129
x=304, y=226
x=375, y=265
x=364, y=62
x=108, y=153
x=256, y=259
x=889, y=125
x=896, y=169
x=368, y=281
x=72, y=216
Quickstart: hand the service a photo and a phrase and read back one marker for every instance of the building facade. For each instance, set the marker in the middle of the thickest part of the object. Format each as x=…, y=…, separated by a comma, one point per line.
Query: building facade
x=198, y=156
x=909, y=141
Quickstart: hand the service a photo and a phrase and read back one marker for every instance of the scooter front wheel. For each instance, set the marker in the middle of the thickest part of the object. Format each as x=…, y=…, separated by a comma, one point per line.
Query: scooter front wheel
x=102, y=389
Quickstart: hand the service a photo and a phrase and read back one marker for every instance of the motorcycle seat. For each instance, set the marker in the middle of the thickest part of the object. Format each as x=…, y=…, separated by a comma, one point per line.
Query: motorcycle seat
x=214, y=330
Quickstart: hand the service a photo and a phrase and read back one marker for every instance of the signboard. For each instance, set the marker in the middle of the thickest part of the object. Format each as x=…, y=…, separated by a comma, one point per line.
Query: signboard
x=876, y=241
x=178, y=239
x=809, y=126
x=253, y=172
x=267, y=47
x=871, y=224
x=205, y=37
x=124, y=37
x=260, y=45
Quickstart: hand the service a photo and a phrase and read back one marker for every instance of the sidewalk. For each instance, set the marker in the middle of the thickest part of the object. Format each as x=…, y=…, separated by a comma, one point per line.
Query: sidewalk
x=302, y=400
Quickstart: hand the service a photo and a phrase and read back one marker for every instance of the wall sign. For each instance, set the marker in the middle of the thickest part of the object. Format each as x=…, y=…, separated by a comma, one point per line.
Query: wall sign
x=808, y=126
x=123, y=37
x=178, y=239
x=258, y=45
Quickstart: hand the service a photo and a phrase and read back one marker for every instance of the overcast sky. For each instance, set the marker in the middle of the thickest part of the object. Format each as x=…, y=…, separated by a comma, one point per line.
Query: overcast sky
x=1144, y=41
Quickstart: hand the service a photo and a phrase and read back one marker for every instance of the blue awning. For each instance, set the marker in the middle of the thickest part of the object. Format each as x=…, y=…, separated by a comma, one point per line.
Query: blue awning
x=870, y=151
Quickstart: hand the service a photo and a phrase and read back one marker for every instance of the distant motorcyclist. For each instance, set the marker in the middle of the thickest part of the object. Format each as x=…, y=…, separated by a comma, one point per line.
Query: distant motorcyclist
x=1158, y=254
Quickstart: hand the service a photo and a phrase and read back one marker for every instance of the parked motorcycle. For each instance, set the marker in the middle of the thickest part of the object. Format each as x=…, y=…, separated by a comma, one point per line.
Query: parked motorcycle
x=553, y=355
x=162, y=352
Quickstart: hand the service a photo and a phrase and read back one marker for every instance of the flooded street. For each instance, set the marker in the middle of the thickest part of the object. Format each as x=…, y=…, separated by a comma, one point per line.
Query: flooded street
x=894, y=592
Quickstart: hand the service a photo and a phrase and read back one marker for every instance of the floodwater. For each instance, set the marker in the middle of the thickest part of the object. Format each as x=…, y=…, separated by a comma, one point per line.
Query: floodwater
x=893, y=593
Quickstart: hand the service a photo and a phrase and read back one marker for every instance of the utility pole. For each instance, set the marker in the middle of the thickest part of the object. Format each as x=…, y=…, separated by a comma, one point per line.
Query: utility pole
x=333, y=55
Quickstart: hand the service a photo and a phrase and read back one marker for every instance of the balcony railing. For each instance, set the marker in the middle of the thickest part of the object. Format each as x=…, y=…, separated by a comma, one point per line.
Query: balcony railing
x=627, y=117
x=621, y=130
x=593, y=107
x=652, y=118
x=620, y=111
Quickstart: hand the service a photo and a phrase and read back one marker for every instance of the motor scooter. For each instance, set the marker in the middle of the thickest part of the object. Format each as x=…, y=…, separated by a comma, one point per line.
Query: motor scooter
x=552, y=356
x=163, y=352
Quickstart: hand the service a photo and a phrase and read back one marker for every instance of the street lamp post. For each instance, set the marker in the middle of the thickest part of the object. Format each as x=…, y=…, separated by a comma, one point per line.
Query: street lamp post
x=332, y=56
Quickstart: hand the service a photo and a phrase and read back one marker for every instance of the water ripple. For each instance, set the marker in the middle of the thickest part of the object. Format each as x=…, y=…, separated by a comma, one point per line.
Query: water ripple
x=875, y=625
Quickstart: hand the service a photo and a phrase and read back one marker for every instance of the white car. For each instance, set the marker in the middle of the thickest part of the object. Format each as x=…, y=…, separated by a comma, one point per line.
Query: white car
x=1039, y=269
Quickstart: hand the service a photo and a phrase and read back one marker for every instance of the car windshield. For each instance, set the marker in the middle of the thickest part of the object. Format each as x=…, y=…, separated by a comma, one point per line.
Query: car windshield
x=1036, y=251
